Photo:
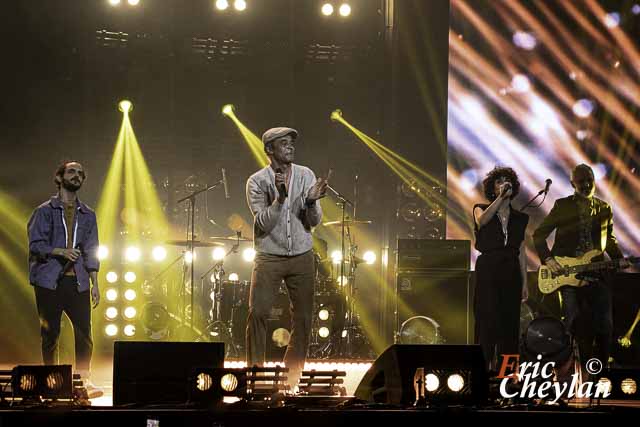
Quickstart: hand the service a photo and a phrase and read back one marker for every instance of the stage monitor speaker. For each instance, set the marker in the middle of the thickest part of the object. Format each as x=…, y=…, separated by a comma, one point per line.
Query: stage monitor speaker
x=443, y=297
x=391, y=377
x=147, y=373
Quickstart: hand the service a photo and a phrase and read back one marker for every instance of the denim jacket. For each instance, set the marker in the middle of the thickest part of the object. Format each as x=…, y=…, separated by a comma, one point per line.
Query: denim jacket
x=47, y=229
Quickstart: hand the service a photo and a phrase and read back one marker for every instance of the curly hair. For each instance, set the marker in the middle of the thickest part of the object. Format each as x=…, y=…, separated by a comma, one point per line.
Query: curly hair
x=62, y=169
x=495, y=174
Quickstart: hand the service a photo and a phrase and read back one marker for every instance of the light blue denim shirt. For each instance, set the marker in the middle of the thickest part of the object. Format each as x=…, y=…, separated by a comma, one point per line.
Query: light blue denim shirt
x=282, y=229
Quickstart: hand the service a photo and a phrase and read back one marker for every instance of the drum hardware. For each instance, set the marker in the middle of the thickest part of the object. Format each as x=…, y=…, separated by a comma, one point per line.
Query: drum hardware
x=347, y=332
x=218, y=327
x=191, y=238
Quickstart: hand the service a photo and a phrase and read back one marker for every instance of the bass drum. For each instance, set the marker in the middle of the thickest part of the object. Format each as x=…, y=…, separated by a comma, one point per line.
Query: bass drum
x=546, y=336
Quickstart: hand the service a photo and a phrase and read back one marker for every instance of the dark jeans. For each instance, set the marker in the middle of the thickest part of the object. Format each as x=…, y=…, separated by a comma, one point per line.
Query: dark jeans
x=591, y=302
x=77, y=306
x=268, y=273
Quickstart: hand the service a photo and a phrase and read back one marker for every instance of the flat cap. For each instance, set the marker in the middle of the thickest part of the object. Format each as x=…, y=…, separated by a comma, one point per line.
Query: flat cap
x=275, y=133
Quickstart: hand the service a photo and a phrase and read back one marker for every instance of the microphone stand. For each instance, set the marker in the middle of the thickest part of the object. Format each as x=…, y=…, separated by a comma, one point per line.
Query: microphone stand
x=540, y=193
x=192, y=208
x=343, y=201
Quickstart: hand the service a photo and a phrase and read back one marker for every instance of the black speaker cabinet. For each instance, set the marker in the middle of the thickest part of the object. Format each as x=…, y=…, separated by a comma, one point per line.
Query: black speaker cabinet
x=158, y=372
x=391, y=377
x=442, y=297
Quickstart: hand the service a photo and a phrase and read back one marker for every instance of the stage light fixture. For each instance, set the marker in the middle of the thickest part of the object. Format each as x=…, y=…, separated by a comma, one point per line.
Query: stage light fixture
x=130, y=294
x=336, y=115
x=240, y=5
x=323, y=332
x=111, y=330
x=344, y=10
x=342, y=281
x=233, y=277
x=222, y=4
x=159, y=253
x=114, y=2
x=188, y=257
x=249, y=254
x=129, y=330
x=622, y=383
x=336, y=257
x=455, y=383
x=103, y=252
x=132, y=254
x=323, y=314
x=111, y=294
x=432, y=382
x=228, y=110
x=130, y=277
x=130, y=312
x=327, y=9
x=125, y=106
x=112, y=277
x=111, y=313
x=133, y=2
x=218, y=254
x=369, y=257
x=42, y=382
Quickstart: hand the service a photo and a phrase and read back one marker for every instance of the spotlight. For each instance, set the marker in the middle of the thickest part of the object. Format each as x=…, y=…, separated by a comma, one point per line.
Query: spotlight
x=228, y=110
x=629, y=386
x=103, y=252
x=111, y=330
x=336, y=115
x=369, y=257
x=611, y=20
x=125, y=106
x=130, y=330
x=218, y=254
x=327, y=9
x=455, y=382
x=432, y=382
x=159, y=253
x=112, y=277
x=129, y=277
x=130, y=295
x=188, y=257
x=342, y=280
x=336, y=257
x=229, y=383
x=222, y=4
x=604, y=384
x=583, y=108
x=111, y=313
x=323, y=332
x=233, y=277
x=240, y=5
x=133, y=2
x=345, y=10
x=132, y=254
x=323, y=314
x=130, y=312
x=114, y=2
x=111, y=294
x=249, y=254
x=203, y=382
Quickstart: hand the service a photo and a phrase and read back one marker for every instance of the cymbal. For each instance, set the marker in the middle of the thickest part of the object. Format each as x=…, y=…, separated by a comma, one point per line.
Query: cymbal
x=348, y=222
x=196, y=243
x=232, y=238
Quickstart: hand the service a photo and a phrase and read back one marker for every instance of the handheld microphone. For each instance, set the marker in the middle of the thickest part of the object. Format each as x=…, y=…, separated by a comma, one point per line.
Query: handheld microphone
x=283, y=188
x=548, y=184
x=224, y=183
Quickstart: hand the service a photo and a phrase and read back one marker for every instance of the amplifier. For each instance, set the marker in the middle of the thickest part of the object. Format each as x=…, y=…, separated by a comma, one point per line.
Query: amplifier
x=428, y=254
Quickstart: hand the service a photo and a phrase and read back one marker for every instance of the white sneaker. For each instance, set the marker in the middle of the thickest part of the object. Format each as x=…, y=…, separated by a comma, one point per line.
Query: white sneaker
x=93, y=391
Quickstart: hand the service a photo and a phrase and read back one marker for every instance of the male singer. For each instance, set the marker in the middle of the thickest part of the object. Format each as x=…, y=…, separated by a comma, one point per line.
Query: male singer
x=63, y=256
x=283, y=198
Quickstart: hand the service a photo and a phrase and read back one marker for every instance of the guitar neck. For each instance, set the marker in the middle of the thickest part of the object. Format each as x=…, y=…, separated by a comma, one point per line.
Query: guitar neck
x=600, y=265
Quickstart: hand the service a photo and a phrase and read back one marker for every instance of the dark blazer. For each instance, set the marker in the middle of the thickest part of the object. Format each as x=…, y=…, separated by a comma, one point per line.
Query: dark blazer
x=564, y=219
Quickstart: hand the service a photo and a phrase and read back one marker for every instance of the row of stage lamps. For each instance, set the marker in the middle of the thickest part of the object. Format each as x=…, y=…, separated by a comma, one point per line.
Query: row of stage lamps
x=327, y=9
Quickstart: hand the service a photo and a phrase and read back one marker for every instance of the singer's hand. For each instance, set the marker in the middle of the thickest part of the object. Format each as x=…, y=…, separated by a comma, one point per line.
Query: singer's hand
x=318, y=191
x=505, y=190
x=69, y=254
x=280, y=184
x=95, y=295
x=554, y=266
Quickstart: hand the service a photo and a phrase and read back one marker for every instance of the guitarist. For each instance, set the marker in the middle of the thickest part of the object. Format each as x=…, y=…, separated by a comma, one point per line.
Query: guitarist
x=582, y=223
